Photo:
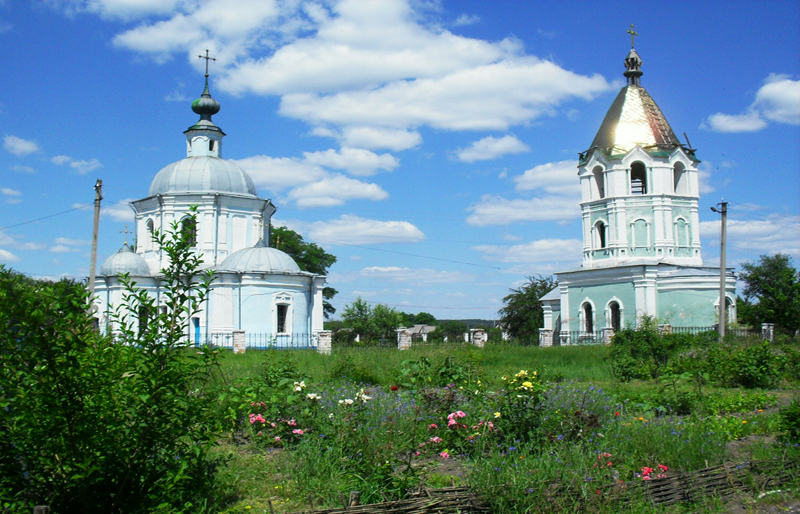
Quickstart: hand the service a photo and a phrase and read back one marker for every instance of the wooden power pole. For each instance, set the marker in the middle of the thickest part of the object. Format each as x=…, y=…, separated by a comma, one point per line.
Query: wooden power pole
x=723, y=299
x=98, y=196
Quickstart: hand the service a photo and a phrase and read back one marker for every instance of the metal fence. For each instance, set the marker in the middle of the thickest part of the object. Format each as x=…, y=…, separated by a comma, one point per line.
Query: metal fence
x=266, y=341
x=578, y=338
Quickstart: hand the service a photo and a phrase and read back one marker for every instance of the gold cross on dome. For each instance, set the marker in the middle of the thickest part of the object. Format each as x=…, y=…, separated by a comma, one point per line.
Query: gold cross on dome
x=207, y=58
x=631, y=32
x=126, y=232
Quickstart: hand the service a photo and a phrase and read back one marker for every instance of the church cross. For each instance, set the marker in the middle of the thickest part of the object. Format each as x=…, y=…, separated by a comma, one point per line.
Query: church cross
x=207, y=58
x=631, y=32
x=126, y=231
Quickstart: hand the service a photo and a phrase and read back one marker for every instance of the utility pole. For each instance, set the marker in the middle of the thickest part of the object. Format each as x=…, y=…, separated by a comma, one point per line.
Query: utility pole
x=723, y=307
x=98, y=195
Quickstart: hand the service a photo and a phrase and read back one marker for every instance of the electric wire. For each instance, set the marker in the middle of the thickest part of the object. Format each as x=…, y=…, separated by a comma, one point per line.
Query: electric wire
x=43, y=217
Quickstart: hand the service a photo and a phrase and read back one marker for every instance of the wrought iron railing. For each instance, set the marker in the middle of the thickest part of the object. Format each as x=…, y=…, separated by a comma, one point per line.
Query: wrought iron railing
x=265, y=341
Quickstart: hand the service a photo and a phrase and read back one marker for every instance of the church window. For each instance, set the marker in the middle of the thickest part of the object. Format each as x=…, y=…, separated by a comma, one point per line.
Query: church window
x=283, y=313
x=150, y=226
x=189, y=229
x=681, y=183
x=599, y=235
x=588, y=317
x=283, y=310
x=681, y=233
x=638, y=179
x=211, y=145
x=614, y=316
x=599, y=180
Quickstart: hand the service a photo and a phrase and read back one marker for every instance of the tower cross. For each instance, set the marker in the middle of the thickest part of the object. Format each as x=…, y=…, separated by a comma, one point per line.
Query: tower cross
x=207, y=58
x=126, y=232
x=631, y=32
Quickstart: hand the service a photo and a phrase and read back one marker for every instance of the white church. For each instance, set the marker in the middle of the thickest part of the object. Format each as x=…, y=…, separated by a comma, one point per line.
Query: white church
x=641, y=230
x=256, y=289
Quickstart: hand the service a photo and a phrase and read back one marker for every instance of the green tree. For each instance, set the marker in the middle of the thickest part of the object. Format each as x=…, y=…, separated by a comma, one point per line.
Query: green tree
x=771, y=293
x=309, y=256
x=372, y=323
x=522, y=316
x=95, y=423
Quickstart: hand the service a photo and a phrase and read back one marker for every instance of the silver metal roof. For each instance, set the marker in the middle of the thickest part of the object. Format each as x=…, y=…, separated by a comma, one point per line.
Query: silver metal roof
x=125, y=261
x=204, y=174
x=260, y=258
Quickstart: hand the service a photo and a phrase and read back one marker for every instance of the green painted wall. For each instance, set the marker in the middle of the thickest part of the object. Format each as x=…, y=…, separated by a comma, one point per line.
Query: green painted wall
x=687, y=308
x=600, y=295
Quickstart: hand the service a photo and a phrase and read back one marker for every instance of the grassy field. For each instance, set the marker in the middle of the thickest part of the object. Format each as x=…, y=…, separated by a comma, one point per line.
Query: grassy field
x=529, y=429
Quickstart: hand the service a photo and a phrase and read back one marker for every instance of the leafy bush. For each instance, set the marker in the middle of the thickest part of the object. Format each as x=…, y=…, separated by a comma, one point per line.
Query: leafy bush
x=642, y=353
x=751, y=366
x=92, y=424
x=790, y=422
x=346, y=368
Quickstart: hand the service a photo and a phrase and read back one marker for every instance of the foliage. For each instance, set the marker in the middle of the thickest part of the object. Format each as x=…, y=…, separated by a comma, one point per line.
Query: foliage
x=92, y=424
x=372, y=324
x=749, y=366
x=421, y=318
x=451, y=329
x=449, y=370
x=790, y=422
x=309, y=256
x=642, y=353
x=522, y=315
x=772, y=292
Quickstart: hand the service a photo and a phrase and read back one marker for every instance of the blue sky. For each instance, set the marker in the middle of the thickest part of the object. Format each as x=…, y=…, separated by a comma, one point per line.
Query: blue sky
x=430, y=145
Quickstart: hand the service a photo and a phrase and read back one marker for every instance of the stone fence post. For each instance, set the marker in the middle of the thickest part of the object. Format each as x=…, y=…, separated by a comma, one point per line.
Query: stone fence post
x=479, y=337
x=239, y=341
x=607, y=334
x=324, y=341
x=403, y=339
x=545, y=337
x=664, y=329
x=768, y=332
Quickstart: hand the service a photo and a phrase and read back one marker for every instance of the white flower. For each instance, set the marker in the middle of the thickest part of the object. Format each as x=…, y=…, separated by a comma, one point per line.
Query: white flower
x=330, y=416
x=298, y=386
x=348, y=401
x=313, y=396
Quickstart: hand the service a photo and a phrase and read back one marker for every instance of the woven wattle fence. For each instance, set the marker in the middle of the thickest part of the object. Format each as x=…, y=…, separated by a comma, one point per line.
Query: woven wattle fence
x=720, y=481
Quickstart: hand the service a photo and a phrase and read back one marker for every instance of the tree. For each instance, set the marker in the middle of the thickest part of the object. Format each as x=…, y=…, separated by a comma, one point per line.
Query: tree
x=522, y=316
x=309, y=256
x=421, y=318
x=771, y=292
x=372, y=323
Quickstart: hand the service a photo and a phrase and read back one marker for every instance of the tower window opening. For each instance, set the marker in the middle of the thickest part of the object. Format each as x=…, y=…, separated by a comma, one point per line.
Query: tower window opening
x=211, y=145
x=588, y=315
x=600, y=235
x=638, y=179
x=613, y=311
x=599, y=180
x=680, y=183
x=189, y=230
x=283, y=312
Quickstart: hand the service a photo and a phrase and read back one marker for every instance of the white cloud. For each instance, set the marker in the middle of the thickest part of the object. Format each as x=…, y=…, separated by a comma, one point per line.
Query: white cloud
x=6, y=256
x=354, y=230
x=704, y=178
x=63, y=249
x=19, y=147
x=419, y=276
x=176, y=96
x=466, y=19
x=334, y=190
x=80, y=167
x=495, y=210
x=775, y=234
x=777, y=100
x=541, y=251
x=278, y=173
x=12, y=195
x=71, y=242
x=122, y=9
x=356, y=161
x=492, y=148
x=558, y=178
x=32, y=246
x=19, y=168
x=375, y=138
x=120, y=211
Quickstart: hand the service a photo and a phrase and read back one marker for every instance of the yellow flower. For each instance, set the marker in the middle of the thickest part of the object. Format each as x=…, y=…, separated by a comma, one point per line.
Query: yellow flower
x=527, y=385
x=497, y=414
x=745, y=421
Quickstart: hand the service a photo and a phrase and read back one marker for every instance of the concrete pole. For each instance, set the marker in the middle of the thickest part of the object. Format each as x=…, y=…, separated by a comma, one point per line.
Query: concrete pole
x=723, y=311
x=98, y=196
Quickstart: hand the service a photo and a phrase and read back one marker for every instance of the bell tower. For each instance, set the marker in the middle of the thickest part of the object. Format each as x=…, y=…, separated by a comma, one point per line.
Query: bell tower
x=639, y=185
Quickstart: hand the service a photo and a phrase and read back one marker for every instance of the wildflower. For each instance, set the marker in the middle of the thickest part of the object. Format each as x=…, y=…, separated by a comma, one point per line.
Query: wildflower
x=298, y=386
x=277, y=439
x=496, y=415
x=394, y=388
x=432, y=426
x=444, y=455
x=297, y=431
x=616, y=413
x=527, y=385
x=330, y=416
x=662, y=467
x=435, y=439
x=451, y=422
x=313, y=396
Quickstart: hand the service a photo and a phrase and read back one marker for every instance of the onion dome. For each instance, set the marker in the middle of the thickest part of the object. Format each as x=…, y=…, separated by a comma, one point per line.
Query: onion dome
x=260, y=259
x=125, y=261
x=205, y=105
x=204, y=174
x=634, y=118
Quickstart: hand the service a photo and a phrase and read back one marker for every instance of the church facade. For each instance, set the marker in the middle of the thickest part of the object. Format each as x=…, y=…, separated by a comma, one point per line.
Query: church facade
x=257, y=289
x=641, y=238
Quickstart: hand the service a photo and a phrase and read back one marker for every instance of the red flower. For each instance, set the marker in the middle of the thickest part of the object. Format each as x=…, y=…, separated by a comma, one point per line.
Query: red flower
x=616, y=413
x=395, y=388
x=662, y=467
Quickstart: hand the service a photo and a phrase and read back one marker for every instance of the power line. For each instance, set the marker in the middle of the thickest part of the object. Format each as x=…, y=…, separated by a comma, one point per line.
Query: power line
x=43, y=217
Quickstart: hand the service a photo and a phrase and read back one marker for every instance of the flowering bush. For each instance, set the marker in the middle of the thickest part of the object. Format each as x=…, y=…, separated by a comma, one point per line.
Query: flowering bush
x=518, y=412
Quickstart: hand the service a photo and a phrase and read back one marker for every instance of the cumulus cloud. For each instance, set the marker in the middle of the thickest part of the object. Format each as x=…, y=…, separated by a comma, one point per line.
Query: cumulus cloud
x=278, y=173
x=375, y=138
x=466, y=19
x=492, y=148
x=558, y=178
x=335, y=190
x=496, y=210
x=774, y=234
x=356, y=161
x=778, y=100
x=70, y=242
x=415, y=276
x=355, y=230
x=535, y=252
x=19, y=168
x=12, y=195
x=18, y=146
x=6, y=256
x=80, y=167
x=119, y=211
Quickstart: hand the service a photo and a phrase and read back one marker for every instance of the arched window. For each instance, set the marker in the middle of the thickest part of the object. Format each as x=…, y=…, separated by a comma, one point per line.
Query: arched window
x=189, y=229
x=681, y=233
x=588, y=317
x=283, y=313
x=681, y=183
x=599, y=235
x=599, y=180
x=148, y=238
x=638, y=179
x=614, y=316
x=641, y=234
x=211, y=145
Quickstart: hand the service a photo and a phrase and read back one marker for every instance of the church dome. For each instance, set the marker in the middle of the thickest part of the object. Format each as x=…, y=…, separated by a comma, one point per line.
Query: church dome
x=125, y=261
x=203, y=174
x=260, y=258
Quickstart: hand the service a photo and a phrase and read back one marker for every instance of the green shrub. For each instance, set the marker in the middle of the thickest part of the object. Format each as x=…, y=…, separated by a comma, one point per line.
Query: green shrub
x=642, y=353
x=346, y=368
x=790, y=422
